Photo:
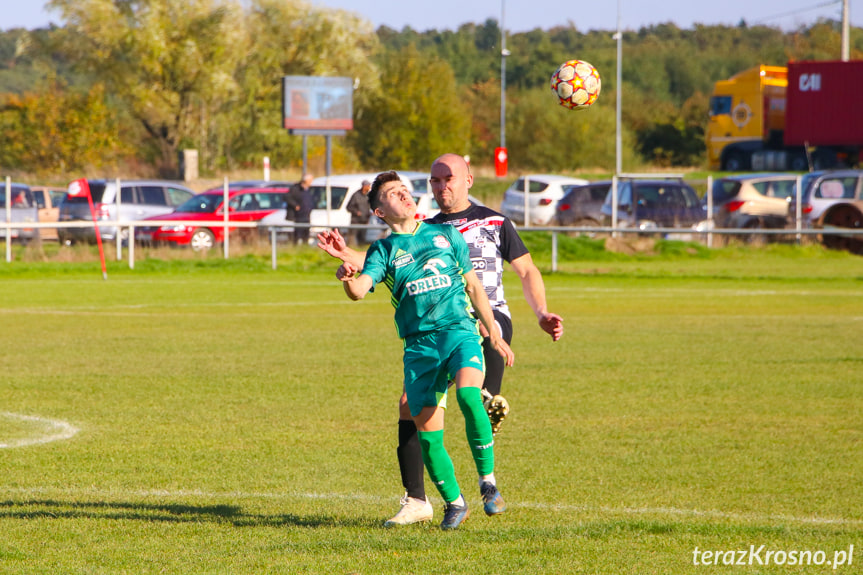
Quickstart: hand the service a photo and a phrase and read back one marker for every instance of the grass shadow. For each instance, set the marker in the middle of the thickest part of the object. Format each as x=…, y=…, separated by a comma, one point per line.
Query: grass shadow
x=167, y=512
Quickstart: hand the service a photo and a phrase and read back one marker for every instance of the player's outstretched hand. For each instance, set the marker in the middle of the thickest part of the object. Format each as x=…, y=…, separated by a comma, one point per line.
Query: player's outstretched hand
x=499, y=344
x=552, y=324
x=346, y=272
x=333, y=243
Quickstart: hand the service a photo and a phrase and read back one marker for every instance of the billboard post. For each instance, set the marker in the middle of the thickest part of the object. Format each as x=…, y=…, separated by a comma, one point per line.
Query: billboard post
x=318, y=106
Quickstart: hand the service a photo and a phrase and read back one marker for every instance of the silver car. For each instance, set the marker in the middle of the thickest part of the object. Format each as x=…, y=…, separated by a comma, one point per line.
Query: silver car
x=544, y=193
x=22, y=210
x=139, y=199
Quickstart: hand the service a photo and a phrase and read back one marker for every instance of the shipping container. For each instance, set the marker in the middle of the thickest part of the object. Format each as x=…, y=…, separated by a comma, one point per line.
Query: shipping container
x=823, y=104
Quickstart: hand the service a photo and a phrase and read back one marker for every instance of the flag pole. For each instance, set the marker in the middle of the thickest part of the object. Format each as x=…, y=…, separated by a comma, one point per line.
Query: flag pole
x=82, y=187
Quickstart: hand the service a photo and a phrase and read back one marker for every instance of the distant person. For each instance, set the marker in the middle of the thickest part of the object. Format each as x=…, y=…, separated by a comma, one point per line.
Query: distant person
x=299, y=205
x=20, y=200
x=360, y=211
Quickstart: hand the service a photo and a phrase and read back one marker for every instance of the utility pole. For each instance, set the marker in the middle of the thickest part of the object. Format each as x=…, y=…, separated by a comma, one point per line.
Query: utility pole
x=618, y=140
x=501, y=159
x=846, y=28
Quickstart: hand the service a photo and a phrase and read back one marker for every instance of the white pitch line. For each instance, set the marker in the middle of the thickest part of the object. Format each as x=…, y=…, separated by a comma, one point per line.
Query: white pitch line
x=568, y=509
x=57, y=430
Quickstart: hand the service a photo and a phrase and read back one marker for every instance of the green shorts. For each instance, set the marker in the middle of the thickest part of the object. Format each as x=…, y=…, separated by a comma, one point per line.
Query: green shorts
x=432, y=360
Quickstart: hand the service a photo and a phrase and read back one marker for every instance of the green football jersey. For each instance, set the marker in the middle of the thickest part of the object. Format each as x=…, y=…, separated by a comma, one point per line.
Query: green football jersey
x=424, y=271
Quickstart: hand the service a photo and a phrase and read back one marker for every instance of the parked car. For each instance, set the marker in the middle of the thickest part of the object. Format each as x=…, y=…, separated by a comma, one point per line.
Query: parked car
x=545, y=192
x=22, y=210
x=847, y=214
x=248, y=205
x=581, y=206
x=139, y=199
x=649, y=203
x=341, y=188
x=751, y=200
x=243, y=184
x=823, y=189
x=48, y=204
x=419, y=181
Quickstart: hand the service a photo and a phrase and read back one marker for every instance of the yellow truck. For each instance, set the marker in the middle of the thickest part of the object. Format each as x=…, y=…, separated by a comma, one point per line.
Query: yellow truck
x=806, y=115
x=746, y=111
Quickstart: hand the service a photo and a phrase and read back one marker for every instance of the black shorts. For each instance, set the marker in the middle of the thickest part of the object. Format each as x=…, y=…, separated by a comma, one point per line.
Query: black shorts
x=494, y=363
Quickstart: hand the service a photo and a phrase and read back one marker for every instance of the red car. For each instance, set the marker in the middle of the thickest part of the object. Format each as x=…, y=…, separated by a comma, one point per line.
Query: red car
x=203, y=210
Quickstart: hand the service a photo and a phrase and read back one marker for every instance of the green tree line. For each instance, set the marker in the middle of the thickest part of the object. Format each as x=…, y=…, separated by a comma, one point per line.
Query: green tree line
x=122, y=86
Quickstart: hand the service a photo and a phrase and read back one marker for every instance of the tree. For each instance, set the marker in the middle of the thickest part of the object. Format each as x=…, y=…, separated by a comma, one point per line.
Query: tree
x=290, y=38
x=161, y=58
x=542, y=135
x=57, y=130
x=416, y=115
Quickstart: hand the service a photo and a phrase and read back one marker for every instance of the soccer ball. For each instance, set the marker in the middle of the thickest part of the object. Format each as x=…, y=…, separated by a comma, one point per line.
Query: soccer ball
x=576, y=84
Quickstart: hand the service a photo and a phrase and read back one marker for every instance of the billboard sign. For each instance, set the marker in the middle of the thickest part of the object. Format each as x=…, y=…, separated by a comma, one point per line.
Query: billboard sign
x=317, y=104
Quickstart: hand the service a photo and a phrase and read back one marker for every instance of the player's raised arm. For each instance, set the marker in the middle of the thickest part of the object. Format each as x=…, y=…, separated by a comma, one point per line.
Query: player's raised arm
x=356, y=285
x=332, y=242
x=479, y=299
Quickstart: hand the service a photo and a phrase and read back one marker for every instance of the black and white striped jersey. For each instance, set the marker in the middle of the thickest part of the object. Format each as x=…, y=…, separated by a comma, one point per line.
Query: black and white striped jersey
x=492, y=239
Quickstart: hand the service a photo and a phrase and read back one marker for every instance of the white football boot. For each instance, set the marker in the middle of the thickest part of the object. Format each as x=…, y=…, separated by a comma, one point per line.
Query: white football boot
x=413, y=511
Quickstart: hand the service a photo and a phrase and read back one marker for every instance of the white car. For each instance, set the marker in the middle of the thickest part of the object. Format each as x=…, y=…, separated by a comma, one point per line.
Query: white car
x=341, y=188
x=545, y=191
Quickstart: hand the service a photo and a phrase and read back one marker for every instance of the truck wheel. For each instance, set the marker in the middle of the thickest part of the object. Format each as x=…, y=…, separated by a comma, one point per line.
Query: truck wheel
x=735, y=162
x=799, y=164
x=844, y=216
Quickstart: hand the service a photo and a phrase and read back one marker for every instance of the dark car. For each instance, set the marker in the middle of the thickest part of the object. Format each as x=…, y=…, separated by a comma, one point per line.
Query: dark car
x=648, y=204
x=581, y=206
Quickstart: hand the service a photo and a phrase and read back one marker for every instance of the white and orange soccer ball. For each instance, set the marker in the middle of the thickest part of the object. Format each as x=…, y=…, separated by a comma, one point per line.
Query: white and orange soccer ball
x=576, y=84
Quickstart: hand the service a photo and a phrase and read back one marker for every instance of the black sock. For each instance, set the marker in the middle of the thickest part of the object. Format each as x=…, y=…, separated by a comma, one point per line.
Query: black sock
x=411, y=459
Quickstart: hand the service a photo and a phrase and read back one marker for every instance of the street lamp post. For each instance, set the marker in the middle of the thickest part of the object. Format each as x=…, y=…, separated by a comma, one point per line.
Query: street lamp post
x=846, y=17
x=500, y=154
x=618, y=140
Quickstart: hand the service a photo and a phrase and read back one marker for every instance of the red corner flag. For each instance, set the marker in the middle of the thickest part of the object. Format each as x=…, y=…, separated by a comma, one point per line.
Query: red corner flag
x=80, y=188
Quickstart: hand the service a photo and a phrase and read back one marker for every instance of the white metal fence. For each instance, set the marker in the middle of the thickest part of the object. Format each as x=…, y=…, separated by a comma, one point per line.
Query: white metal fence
x=705, y=235
x=273, y=233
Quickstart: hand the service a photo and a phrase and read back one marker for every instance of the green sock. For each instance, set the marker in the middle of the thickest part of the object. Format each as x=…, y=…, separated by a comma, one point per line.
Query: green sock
x=478, y=429
x=439, y=464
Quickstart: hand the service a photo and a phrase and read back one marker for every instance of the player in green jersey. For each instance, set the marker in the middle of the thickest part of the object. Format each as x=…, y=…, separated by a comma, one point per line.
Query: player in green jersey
x=428, y=271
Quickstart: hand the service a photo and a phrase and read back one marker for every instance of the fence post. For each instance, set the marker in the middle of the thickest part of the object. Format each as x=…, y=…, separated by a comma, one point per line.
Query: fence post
x=273, y=244
x=8, y=219
x=554, y=250
x=710, y=211
x=798, y=215
x=225, y=233
x=131, y=247
x=117, y=231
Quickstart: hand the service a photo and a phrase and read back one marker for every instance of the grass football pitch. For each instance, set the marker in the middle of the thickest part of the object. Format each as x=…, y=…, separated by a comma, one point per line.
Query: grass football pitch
x=201, y=417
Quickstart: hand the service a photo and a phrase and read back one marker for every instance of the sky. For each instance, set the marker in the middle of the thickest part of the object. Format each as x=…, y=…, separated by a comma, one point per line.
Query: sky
x=521, y=15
